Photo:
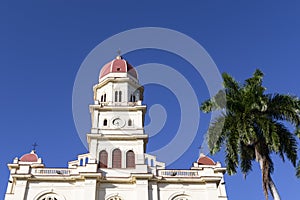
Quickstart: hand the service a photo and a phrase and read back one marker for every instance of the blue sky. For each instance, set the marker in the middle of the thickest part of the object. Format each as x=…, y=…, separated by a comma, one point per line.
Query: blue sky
x=43, y=44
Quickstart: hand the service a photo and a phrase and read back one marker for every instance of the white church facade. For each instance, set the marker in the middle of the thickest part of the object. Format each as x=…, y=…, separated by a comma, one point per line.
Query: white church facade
x=116, y=166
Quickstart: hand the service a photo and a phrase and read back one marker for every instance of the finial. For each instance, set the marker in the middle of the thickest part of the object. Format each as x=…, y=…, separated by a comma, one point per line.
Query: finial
x=119, y=54
x=201, y=149
x=34, y=146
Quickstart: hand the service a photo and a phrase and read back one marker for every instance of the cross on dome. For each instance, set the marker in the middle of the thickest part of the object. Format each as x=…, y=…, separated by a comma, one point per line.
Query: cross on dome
x=119, y=54
x=34, y=146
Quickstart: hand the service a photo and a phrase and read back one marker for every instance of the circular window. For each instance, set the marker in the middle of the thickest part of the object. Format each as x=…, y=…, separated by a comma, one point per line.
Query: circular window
x=181, y=197
x=115, y=198
x=49, y=197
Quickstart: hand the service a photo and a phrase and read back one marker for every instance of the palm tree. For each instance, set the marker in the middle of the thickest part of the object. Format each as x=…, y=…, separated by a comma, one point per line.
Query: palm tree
x=252, y=126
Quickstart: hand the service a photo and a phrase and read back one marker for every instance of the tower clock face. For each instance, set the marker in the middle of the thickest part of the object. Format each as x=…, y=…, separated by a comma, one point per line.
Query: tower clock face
x=118, y=122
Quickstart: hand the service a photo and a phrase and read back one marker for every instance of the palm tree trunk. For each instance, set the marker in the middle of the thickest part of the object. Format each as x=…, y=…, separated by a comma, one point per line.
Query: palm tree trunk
x=264, y=176
x=267, y=180
x=273, y=189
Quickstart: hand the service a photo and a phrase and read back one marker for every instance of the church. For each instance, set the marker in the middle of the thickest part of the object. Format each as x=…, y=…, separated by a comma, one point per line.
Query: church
x=116, y=166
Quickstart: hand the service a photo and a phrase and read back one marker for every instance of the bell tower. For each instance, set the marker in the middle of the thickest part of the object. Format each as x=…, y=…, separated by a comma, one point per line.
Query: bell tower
x=118, y=117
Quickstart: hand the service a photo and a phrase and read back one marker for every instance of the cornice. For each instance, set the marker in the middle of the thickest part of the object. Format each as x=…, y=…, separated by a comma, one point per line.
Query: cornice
x=116, y=136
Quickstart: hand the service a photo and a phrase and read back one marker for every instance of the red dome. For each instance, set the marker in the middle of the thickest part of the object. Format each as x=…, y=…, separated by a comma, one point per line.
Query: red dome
x=29, y=157
x=116, y=66
x=205, y=160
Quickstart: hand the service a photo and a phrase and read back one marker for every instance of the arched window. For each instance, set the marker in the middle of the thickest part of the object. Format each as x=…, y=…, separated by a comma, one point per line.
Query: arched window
x=146, y=161
x=81, y=162
x=120, y=96
x=116, y=158
x=132, y=98
x=103, y=98
x=86, y=160
x=103, y=159
x=130, y=159
x=116, y=96
x=129, y=122
x=152, y=163
x=105, y=122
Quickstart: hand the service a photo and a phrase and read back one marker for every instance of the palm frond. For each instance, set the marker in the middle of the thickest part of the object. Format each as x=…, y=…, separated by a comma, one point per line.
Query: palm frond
x=247, y=155
x=232, y=149
x=298, y=170
x=216, y=134
x=284, y=107
x=288, y=143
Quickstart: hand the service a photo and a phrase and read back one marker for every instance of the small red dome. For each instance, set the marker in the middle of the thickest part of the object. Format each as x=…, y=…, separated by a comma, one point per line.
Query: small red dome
x=205, y=160
x=29, y=157
x=116, y=66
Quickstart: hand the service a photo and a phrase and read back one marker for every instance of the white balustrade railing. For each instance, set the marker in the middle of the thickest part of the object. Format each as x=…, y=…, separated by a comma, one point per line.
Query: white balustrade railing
x=51, y=171
x=112, y=103
x=178, y=173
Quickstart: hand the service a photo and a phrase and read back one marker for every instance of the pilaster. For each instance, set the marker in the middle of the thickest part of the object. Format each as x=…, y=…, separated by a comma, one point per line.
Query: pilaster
x=90, y=188
x=142, y=189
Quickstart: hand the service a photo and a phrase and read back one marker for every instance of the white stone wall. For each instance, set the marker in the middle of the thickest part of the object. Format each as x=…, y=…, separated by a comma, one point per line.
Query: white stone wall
x=33, y=190
x=125, y=191
x=127, y=88
x=134, y=116
x=145, y=190
x=142, y=189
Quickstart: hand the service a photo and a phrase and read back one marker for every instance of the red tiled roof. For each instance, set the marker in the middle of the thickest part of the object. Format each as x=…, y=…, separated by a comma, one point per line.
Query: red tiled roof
x=116, y=66
x=205, y=160
x=29, y=157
